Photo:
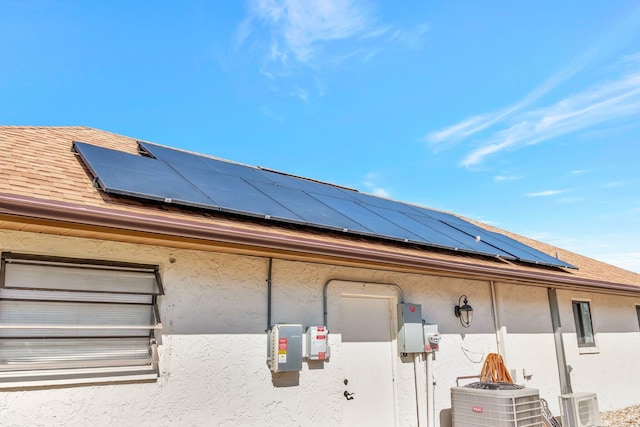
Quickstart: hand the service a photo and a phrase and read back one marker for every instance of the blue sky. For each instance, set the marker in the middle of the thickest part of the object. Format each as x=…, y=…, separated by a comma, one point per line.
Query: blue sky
x=525, y=115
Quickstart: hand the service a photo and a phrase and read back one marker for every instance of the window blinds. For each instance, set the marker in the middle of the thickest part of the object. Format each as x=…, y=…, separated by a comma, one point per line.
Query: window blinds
x=62, y=316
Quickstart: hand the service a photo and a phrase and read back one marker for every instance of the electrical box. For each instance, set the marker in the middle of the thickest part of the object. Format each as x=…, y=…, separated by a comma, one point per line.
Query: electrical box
x=431, y=338
x=410, y=332
x=316, y=347
x=285, y=348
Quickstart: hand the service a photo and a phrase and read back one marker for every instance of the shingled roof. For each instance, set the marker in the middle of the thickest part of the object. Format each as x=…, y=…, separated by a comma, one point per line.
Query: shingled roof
x=44, y=188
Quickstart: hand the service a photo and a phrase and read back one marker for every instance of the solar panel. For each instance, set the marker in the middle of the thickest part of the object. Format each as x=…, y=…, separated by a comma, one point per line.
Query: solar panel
x=452, y=240
x=177, y=157
x=195, y=180
x=370, y=200
x=372, y=223
x=441, y=216
x=130, y=175
x=527, y=253
x=312, y=210
x=467, y=242
x=519, y=250
x=235, y=194
x=308, y=186
x=511, y=246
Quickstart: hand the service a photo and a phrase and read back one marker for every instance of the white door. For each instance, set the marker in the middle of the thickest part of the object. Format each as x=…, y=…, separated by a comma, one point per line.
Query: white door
x=367, y=355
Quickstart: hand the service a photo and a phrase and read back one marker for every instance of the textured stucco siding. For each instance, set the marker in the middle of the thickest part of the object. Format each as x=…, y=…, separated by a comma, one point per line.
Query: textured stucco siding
x=614, y=370
x=213, y=346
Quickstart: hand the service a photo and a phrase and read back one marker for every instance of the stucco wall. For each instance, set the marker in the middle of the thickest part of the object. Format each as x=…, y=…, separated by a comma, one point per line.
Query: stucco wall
x=613, y=371
x=530, y=348
x=213, y=345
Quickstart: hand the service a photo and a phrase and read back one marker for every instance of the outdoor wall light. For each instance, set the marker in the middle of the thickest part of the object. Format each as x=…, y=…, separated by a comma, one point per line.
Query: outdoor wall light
x=464, y=311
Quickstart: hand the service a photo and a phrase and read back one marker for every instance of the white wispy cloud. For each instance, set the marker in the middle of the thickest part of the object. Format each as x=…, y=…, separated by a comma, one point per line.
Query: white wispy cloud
x=500, y=178
x=615, y=184
x=523, y=123
x=268, y=112
x=570, y=199
x=296, y=43
x=299, y=29
x=607, y=102
x=379, y=191
x=629, y=261
x=371, y=183
x=478, y=123
x=411, y=38
x=546, y=193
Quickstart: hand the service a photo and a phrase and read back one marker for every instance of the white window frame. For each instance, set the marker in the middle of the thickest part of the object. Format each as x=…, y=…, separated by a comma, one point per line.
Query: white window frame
x=76, y=321
x=585, y=334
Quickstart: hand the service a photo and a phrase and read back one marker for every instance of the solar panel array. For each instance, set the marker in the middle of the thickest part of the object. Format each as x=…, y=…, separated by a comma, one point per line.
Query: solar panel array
x=175, y=176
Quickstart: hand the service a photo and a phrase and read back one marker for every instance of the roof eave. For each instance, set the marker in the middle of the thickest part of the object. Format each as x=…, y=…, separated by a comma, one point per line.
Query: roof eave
x=25, y=209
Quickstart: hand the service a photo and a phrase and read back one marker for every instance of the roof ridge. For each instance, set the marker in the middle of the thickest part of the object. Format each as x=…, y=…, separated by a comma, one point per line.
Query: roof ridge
x=68, y=127
x=47, y=127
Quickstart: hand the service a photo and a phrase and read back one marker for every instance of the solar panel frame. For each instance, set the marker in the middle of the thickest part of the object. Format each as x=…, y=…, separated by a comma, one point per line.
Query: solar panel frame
x=430, y=236
x=234, y=194
x=514, y=249
x=520, y=251
x=372, y=223
x=381, y=202
x=117, y=172
x=190, y=179
x=467, y=242
x=172, y=156
x=313, y=211
x=306, y=185
x=444, y=217
x=178, y=157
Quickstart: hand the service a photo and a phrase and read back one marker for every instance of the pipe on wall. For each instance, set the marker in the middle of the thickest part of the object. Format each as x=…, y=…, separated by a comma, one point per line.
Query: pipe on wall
x=422, y=395
x=431, y=390
x=497, y=321
x=563, y=371
x=361, y=282
x=419, y=385
x=269, y=294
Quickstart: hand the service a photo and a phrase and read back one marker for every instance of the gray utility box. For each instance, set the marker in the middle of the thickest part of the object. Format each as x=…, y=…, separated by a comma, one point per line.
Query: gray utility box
x=285, y=348
x=495, y=405
x=410, y=331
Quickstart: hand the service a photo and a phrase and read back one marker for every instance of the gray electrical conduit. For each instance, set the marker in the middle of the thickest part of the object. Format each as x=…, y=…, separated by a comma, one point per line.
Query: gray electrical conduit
x=497, y=322
x=362, y=282
x=420, y=414
x=269, y=286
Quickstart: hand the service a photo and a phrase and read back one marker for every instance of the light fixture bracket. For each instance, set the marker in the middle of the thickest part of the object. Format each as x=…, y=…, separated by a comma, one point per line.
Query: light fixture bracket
x=463, y=311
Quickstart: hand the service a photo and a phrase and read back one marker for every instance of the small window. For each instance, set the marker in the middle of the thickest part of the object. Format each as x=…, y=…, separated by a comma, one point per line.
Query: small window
x=67, y=321
x=584, y=328
x=638, y=313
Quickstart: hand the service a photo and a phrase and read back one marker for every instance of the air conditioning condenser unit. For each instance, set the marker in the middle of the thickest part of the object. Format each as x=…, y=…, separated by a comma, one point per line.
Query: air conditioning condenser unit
x=580, y=410
x=495, y=405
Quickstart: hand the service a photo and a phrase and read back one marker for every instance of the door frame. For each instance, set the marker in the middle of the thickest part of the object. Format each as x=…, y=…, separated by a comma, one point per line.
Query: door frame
x=349, y=289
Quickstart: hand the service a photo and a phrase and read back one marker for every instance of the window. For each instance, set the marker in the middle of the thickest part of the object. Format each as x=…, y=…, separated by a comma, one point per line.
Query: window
x=638, y=313
x=584, y=328
x=65, y=321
